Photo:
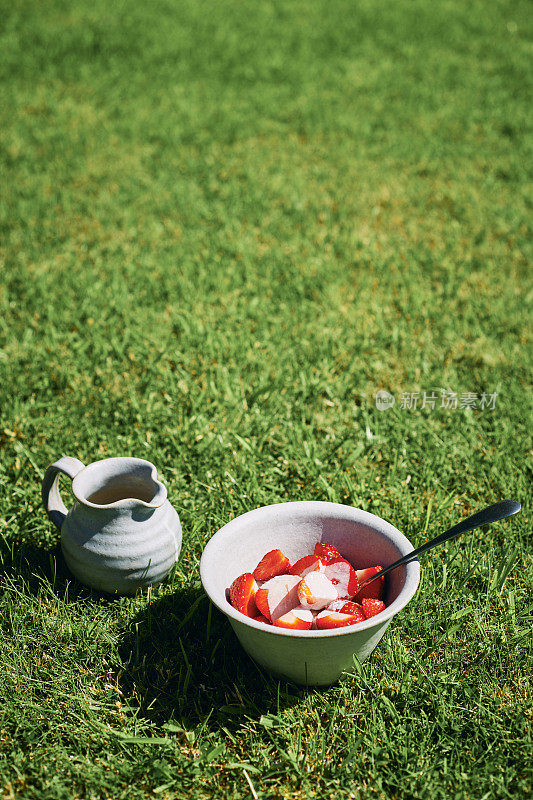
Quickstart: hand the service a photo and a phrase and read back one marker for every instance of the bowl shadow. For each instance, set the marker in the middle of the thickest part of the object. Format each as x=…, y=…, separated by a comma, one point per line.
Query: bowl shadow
x=181, y=661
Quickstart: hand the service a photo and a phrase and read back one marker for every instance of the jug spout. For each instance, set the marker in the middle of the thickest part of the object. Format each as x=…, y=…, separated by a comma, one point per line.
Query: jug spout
x=119, y=483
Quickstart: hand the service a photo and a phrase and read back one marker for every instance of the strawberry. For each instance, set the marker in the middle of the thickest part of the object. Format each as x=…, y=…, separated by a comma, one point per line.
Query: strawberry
x=306, y=565
x=242, y=594
x=371, y=607
x=277, y=596
x=272, y=564
x=374, y=589
x=316, y=591
x=299, y=619
x=327, y=552
x=343, y=577
x=261, y=601
x=335, y=619
x=347, y=607
x=261, y=618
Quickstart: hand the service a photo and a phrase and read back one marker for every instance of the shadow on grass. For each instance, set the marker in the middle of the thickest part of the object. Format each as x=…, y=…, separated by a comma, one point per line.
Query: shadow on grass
x=183, y=662
x=33, y=563
x=39, y=566
x=180, y=660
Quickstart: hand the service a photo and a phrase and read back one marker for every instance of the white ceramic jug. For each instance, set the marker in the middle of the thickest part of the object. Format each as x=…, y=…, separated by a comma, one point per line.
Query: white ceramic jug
x=121, y=533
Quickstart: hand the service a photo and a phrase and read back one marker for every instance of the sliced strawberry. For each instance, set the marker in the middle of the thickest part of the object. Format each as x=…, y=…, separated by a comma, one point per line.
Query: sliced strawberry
x=343, y=577
x=335, y=619
x=316, y=591
x=326, y=552
x=299, y=619
x=261, y=618
x=242, y=594
x=347, y=607
x=261, y=601
x=306, y=565
x=277, y=596
x=272, y=564
x=371, y=607
x=374, y=589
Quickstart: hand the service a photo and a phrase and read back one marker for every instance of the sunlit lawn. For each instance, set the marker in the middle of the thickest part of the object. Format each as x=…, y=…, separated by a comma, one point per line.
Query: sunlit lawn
x=223, y=228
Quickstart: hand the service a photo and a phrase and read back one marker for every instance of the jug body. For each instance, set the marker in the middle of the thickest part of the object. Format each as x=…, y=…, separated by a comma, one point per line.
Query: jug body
x=122, y=533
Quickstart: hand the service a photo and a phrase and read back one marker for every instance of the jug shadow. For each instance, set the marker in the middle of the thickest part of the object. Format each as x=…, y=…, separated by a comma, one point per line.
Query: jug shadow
x=45, y=567
x=33, y=563
x=182, y=661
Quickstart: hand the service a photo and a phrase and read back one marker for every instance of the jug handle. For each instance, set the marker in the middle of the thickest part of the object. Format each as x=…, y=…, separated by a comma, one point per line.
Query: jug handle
x=54, y=506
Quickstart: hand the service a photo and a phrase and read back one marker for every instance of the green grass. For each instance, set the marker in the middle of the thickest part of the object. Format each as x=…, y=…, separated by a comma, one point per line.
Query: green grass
x=224, y=227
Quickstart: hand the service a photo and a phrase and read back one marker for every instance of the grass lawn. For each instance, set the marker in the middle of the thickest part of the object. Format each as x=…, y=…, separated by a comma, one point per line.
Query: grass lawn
x=223, y=227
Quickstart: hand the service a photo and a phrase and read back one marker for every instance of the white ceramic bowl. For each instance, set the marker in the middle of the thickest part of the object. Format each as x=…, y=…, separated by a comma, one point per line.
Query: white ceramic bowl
x=308, y=657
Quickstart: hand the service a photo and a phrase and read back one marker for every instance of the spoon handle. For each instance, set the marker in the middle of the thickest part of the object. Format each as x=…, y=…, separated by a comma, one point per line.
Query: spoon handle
x=493, y=513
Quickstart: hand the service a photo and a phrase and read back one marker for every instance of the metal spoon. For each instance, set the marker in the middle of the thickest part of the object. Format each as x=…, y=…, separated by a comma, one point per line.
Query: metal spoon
x=490, y=514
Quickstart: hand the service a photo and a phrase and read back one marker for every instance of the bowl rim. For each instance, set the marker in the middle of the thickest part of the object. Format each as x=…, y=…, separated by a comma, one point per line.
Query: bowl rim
x=328, y=510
